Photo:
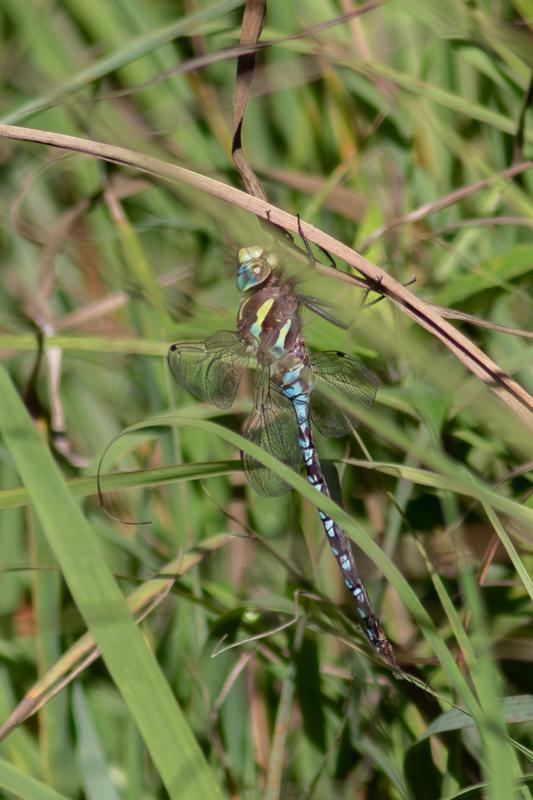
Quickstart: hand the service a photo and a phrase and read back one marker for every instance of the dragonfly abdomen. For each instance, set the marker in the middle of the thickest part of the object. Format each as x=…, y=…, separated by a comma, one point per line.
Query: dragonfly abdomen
x=338, y=542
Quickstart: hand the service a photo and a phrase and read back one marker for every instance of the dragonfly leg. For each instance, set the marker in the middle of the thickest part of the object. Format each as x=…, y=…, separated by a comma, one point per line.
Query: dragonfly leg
x=279, y=228
x=310, y=255
x=376, y=288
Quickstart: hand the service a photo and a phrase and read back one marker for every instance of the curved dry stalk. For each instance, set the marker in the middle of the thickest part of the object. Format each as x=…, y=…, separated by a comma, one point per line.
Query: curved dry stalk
x=443, y=202
x=472, y=319
x=504, y=386
x=252, y=25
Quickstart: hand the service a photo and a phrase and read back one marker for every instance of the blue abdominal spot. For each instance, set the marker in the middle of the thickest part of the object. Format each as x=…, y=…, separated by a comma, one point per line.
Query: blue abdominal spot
x=292, y=374
x=292, y=390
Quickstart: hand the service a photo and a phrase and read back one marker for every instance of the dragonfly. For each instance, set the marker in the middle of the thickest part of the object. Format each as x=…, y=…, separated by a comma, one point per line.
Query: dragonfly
x=292, y=393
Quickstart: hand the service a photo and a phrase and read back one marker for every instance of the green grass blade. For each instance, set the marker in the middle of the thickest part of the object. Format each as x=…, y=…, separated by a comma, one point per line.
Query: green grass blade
x=136, y=479
x=510, y=549
x=131, y=664
x=366, y=544
x=18, y=783
x=130, y=52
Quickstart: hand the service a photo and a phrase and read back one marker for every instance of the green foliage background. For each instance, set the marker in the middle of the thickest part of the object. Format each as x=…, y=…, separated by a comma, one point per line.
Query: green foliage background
x=354, y=127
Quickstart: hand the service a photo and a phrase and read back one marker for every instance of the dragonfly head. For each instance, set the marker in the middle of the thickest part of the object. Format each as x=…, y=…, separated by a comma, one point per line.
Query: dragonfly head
x=255, y=266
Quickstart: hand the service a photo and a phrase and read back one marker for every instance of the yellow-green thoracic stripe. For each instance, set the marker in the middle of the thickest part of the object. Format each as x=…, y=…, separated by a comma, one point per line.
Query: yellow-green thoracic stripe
x=262, y=311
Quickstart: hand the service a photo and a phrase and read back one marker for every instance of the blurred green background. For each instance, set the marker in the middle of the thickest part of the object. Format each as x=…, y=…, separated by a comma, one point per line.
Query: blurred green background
x=355, y=127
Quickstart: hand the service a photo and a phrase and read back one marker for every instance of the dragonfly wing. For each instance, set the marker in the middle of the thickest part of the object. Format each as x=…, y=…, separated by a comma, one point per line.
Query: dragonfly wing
x=210, y=369
x=271, y=426
x=347, y=376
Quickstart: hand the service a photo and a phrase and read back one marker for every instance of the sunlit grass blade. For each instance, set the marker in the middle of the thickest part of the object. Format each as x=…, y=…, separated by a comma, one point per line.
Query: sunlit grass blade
x=130, y=52
x=131, y=664
x=18, y=783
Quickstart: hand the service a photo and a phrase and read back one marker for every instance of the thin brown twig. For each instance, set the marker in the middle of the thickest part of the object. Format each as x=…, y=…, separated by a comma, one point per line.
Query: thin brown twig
x=526, y=222
x=252, y=25
x=443, y=202
x=472, y=319
x=112, y=302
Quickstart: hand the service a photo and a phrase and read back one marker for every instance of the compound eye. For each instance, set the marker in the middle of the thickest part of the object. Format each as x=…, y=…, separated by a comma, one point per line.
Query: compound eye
x=254, y=273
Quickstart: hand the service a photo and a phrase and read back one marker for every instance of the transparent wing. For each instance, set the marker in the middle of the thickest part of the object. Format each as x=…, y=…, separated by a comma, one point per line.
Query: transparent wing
x=272, y=426
x=210, y=369
x=346, y=375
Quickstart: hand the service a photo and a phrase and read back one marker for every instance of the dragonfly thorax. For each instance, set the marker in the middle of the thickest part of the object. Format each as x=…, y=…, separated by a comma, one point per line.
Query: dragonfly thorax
x=268, y=321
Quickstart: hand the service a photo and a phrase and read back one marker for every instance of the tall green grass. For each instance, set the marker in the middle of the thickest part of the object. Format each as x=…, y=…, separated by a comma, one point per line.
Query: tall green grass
x=247, y=675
